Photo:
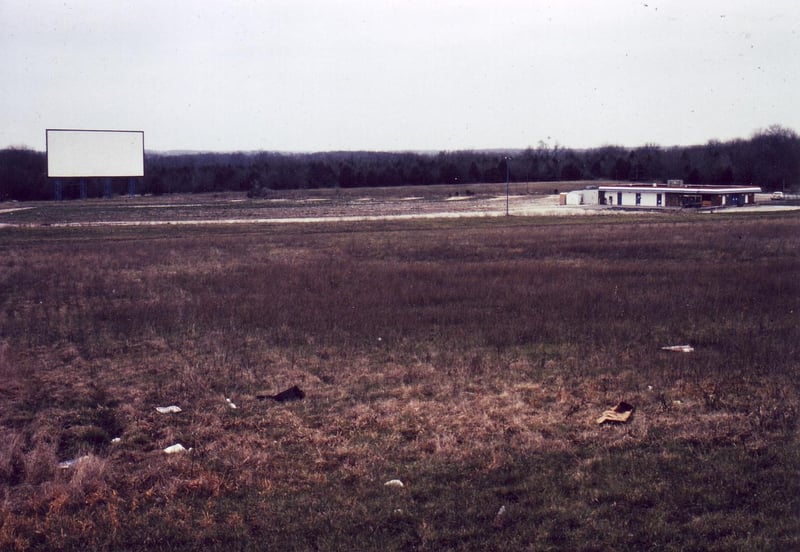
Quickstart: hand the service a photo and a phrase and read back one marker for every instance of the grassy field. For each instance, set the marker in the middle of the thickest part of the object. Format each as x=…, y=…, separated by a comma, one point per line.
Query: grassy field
x=291, y=204
x=467, y=358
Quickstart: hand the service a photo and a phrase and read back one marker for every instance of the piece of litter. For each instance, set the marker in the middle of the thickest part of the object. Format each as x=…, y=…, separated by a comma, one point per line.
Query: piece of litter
x=173, y=409
x=116, y=440
x=498, y=517
x=230, y=403
x=394, y=483
x=172, y=449
x=294, y=393
x=679, y=348
x=619, y=413
x=67, y=464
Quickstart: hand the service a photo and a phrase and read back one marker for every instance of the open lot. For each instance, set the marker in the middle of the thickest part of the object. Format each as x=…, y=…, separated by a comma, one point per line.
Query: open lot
x=467, y=357
x=299, y=206
x=325, y=205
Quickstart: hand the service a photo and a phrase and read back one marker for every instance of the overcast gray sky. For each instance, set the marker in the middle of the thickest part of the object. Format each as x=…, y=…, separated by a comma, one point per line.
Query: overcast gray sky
x=316, y=75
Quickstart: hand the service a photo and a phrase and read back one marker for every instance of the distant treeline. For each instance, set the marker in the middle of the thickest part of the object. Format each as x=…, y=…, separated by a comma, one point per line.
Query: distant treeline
x=770, y=159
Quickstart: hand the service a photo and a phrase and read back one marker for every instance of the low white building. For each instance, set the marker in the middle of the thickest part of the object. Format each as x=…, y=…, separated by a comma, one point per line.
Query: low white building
x=659, y=195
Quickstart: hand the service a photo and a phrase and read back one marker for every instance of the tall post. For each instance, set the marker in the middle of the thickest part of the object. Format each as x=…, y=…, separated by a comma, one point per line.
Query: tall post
x=131, y=187
x=507, y=181
x=58, y=195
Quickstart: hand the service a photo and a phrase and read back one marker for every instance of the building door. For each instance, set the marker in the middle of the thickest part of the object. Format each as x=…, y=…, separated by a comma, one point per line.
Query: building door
x=619, y=198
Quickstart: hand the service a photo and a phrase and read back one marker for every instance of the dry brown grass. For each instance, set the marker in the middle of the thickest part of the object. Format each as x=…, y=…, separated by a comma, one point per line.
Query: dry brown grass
x=468, y=359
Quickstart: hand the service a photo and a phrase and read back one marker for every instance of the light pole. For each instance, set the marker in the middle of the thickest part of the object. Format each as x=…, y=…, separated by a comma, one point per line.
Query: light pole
x=507, y=158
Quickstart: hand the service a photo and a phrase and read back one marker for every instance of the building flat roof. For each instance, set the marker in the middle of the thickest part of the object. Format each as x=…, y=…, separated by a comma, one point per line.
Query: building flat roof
x=684, y=189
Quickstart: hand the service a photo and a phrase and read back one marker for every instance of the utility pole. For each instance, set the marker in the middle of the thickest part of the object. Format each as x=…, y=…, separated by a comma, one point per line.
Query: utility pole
x=507, y=158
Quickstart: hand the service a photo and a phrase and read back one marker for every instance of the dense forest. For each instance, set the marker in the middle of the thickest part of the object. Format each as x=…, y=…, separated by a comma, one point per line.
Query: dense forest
x=770, y=158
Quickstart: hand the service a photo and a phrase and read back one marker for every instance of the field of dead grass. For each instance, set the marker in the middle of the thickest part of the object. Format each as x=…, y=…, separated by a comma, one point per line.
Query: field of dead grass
x=468, y=359
x=288, y=205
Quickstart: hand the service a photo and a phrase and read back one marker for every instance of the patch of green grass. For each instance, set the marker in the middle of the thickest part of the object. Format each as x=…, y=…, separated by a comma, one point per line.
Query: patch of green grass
x=597, y=500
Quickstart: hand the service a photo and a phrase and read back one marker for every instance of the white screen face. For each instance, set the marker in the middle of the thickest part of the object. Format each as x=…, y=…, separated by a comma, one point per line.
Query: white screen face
x=91, y=153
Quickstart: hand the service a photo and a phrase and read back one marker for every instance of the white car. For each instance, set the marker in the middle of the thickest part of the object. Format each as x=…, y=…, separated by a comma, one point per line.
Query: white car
x=777, y=195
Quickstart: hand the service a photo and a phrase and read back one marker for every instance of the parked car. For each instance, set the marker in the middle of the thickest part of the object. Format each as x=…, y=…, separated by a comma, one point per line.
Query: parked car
x=777, y=195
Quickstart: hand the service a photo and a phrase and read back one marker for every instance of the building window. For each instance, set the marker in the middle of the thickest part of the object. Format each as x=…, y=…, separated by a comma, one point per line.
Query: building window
x=658, y=200
x=638, y=198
